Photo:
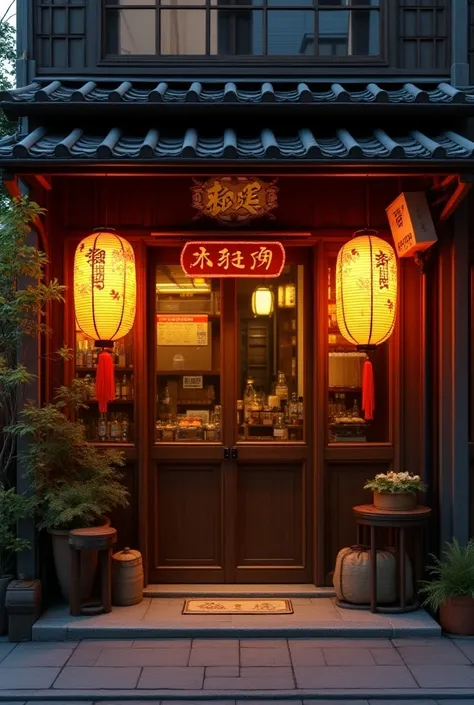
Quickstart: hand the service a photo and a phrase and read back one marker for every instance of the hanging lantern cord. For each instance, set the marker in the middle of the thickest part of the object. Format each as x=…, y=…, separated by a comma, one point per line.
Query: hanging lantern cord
x=368, y=391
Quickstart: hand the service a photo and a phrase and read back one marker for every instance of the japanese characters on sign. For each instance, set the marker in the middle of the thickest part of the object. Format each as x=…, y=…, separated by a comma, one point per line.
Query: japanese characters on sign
x=234, y=200
x=233, y=259
x=411, y=223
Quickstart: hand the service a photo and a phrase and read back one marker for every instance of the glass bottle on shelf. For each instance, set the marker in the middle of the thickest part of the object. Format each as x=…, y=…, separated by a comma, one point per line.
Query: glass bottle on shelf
x=114, y=429
x=95, y=356
x=300, y=410
x=280, y=429
x=249, y=399
x=79, y=354
x=117, y=388
x=281, y=387
x=125, y=429
x=293, y=409
x=355, y=410
x=88, y=356
x=122, y=356
x=124, y=388
x=132, y=387
x=102, y=428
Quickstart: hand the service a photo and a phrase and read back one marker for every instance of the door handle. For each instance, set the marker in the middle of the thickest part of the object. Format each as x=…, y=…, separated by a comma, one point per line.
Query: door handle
x=226, y=453
x=234, y=453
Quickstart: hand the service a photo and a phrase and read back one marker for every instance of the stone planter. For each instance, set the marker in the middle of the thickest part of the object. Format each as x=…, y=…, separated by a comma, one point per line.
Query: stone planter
x=457, y=616
x=5, y=581
x=63, y=559
x=395, y=501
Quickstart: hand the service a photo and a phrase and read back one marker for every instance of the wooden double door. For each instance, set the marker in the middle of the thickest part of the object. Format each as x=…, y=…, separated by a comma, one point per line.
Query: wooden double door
x=238, y=509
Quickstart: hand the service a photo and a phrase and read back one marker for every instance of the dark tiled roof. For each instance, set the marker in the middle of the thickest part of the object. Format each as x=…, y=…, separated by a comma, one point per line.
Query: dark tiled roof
x=159, y=145
x=241, y=92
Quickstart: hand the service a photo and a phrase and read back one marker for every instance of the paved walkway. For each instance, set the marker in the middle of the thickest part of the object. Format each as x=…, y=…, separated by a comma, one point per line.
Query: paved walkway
x=231, y=669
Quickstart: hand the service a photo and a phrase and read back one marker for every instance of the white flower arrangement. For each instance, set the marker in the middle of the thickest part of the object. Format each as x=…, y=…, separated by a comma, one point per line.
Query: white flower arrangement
x=396, y=482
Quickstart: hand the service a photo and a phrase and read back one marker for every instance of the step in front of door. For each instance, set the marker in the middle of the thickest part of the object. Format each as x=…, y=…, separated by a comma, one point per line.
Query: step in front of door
x=188, y=591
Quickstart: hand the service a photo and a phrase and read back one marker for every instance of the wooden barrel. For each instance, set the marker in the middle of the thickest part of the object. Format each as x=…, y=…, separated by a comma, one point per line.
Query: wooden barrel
x=127, y=577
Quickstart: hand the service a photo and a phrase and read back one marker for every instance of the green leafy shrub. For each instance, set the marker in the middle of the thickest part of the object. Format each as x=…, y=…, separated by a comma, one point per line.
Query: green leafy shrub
x=452, y=575
x=76, y=483
x=396, y=482
x=13, y=507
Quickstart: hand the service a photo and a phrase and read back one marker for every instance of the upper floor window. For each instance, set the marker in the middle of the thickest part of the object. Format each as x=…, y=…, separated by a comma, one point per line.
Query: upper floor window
x=231, y=28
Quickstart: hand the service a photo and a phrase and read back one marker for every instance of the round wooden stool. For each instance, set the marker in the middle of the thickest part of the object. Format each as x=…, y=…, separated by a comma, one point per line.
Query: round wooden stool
x=95, y=538
x=366, y=515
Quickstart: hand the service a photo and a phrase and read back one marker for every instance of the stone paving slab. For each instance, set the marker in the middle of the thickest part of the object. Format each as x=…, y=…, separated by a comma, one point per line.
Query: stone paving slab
x=75, y=677
x=389, y=677
x=172, y=677
x=27, y=678
x=444, y=677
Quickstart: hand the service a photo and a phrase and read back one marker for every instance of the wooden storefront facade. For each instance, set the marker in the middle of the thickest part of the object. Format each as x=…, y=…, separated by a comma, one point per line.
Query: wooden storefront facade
x=121, y=144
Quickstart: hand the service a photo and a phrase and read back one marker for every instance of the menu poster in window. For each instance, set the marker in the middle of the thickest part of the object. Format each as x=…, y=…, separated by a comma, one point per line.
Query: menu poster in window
x=182, y=330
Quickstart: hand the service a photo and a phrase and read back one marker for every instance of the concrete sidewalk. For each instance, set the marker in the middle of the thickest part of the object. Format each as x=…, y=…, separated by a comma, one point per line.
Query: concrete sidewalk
x=357, y=670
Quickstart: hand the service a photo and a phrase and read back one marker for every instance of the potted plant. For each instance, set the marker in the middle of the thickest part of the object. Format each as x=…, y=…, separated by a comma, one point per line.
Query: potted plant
x=21, y=316
x=451, y=588
x=395, y=491
x=13, y=507
x=76, y=483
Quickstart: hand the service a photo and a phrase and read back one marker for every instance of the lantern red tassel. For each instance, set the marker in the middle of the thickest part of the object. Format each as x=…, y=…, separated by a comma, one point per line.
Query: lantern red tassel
x=368, y=395
x=105, y=381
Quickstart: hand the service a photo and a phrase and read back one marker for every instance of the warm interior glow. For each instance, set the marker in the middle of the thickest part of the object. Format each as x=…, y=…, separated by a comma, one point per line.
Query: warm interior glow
x=104, y=286
x=262, y=301
x=366, y=290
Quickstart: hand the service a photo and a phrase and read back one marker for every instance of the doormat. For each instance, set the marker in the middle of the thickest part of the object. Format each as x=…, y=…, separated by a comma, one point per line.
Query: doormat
x=236, y=606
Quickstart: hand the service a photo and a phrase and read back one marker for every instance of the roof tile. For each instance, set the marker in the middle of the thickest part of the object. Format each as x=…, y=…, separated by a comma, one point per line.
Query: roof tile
x=155, y=144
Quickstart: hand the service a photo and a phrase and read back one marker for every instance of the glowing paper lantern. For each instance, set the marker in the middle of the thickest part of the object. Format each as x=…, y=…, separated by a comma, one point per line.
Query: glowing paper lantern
x=104, y=299
x=366, y=299
x=262, y=301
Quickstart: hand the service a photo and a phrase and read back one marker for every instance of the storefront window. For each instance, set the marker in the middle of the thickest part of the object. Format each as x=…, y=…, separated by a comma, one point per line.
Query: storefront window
x=346, y=418
x=270, y=407
x=117, y=425
x=188, y=402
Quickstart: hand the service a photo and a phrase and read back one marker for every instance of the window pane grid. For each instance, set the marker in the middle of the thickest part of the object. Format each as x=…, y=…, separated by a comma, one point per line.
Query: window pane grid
x=266, y=27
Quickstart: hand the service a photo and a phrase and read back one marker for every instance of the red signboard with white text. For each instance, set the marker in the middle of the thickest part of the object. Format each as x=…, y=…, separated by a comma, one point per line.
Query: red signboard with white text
x=212, y=259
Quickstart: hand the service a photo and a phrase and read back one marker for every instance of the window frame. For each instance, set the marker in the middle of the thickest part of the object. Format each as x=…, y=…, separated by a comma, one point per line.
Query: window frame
x=275, y=61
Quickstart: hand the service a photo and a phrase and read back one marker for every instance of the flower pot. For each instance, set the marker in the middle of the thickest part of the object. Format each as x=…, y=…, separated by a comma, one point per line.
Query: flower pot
x=62, y=563
x=457, y=616
x=5, y=581
x=395, y=501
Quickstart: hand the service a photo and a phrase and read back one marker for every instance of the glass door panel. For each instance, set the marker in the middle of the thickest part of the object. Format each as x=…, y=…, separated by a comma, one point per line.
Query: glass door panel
x=270, y=407
x=187, y=357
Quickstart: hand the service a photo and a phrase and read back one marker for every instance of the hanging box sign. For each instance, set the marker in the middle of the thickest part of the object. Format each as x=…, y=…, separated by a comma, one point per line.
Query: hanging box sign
x=411, y=224
x=233, y=259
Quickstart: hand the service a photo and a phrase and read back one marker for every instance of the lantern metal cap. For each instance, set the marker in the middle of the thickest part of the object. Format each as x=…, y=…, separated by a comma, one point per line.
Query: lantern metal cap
x=366, y=348
x=104, y=343
x=365, y=231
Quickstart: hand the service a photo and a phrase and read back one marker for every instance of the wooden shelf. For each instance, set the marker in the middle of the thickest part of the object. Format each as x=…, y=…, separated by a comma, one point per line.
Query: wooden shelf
x=181, y=373
x=345, y=389
x=112, y=401
x=88, y=370
x=110, y=444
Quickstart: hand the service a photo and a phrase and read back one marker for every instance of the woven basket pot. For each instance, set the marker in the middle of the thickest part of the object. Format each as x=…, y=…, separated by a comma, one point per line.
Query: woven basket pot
x=395, y=501
x=352, y=576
